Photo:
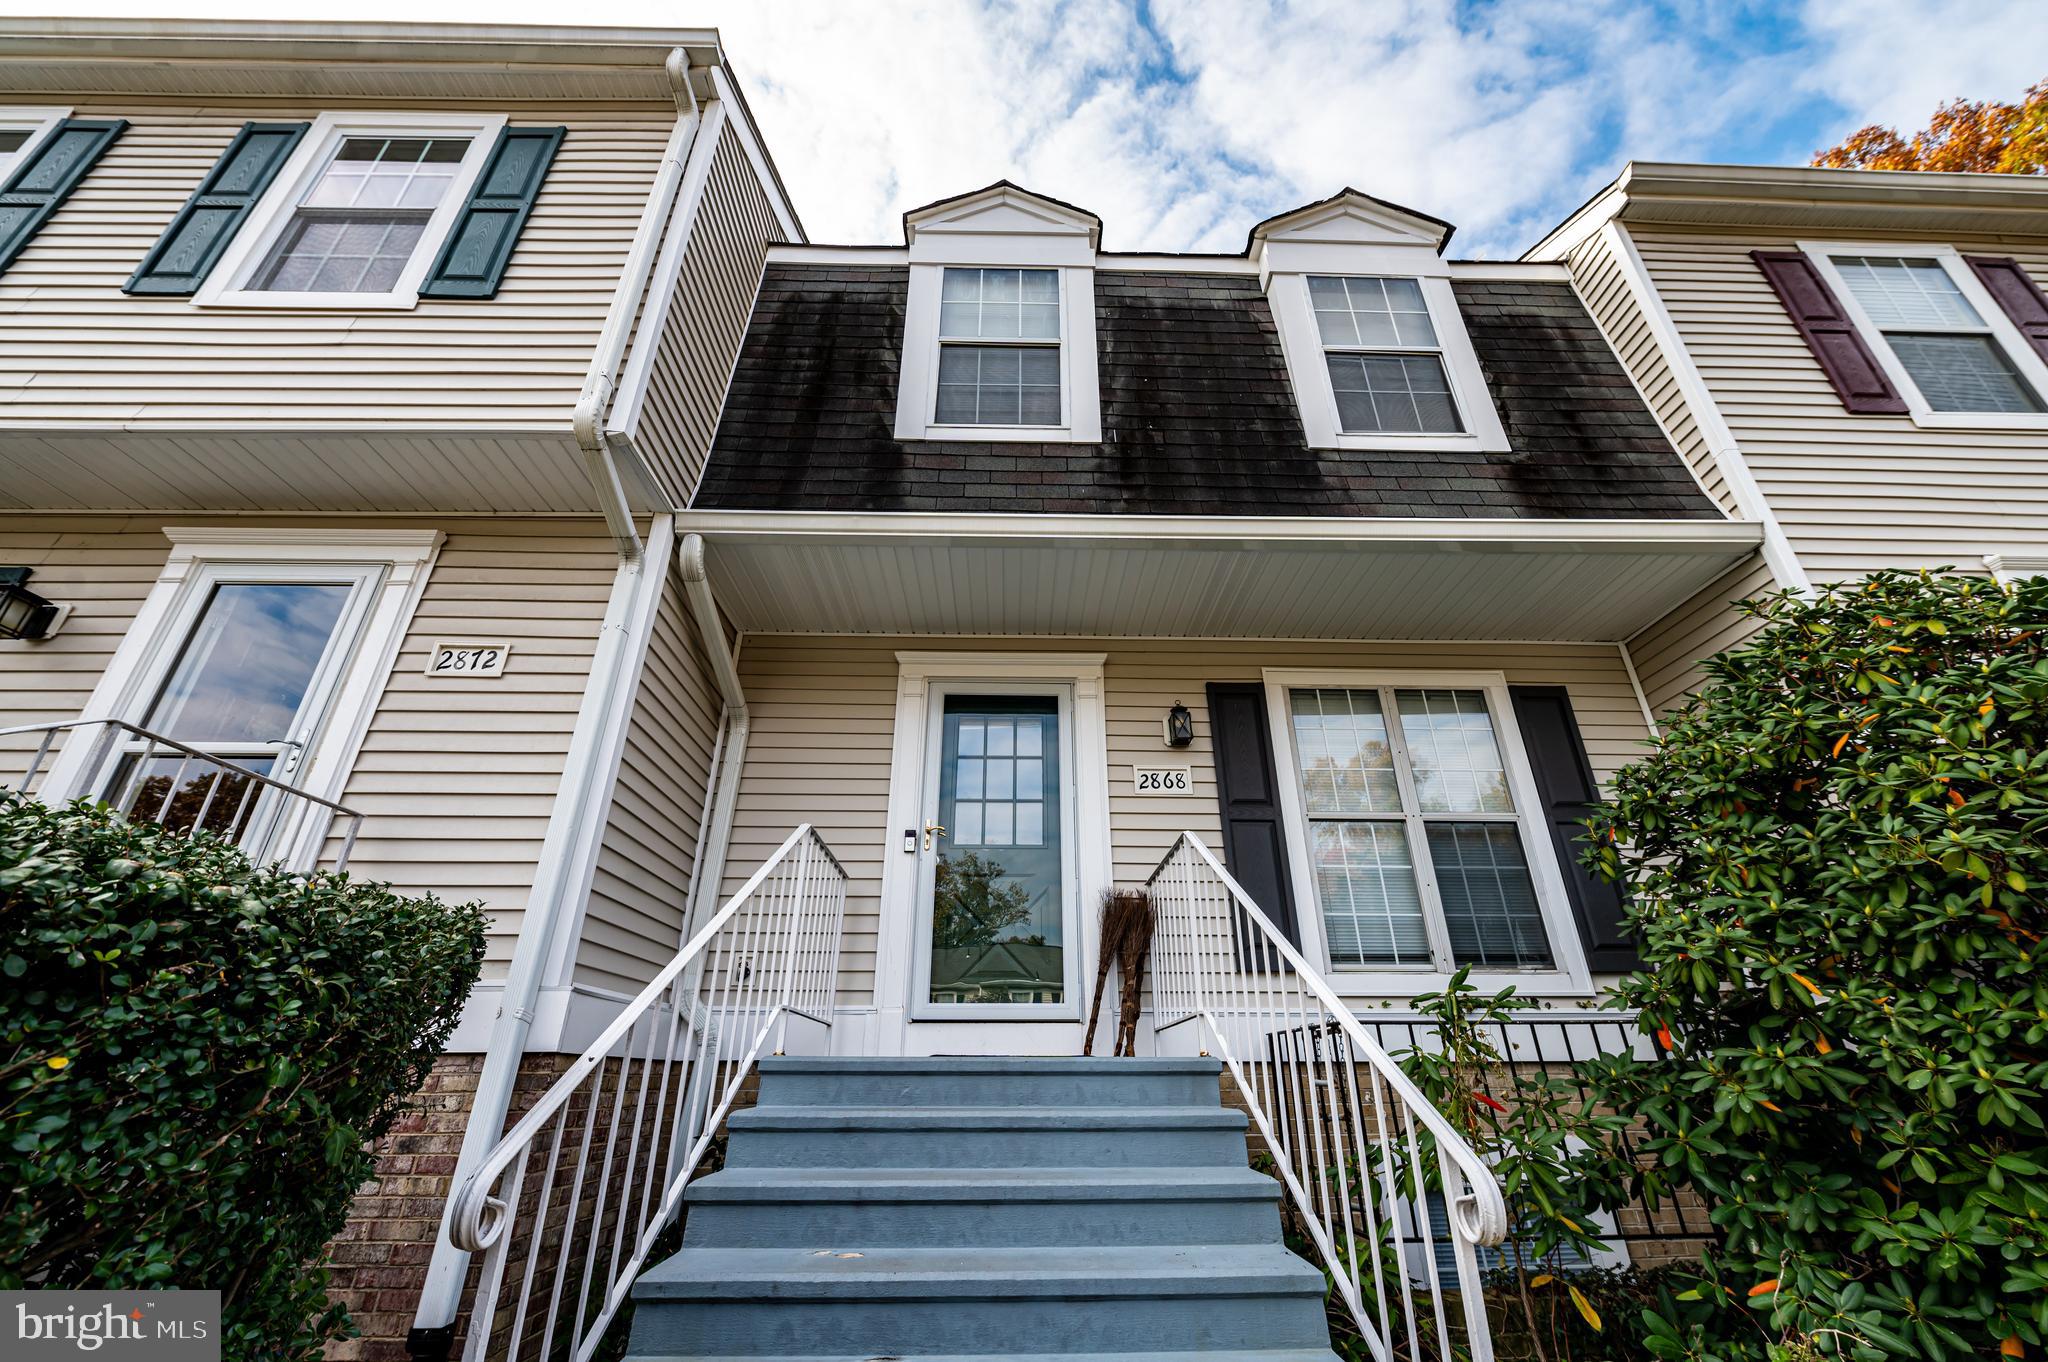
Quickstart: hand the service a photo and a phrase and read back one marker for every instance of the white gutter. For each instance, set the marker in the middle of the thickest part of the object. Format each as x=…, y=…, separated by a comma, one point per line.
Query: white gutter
x=593, y=405
x=726, y=775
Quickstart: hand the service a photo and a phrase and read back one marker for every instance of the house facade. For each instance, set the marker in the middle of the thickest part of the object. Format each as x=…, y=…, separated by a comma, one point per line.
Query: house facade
x=352, y=373
x=1856, y=360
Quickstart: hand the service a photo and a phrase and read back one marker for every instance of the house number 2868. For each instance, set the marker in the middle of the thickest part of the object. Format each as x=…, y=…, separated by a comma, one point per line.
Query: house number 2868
x=1163, y=780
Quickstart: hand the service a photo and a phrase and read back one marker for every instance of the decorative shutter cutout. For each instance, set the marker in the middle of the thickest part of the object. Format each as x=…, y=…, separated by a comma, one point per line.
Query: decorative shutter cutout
x=2017, y=294
x=1248, y=791
x=197, y=237
x=472, y=263
x=1857, y=377
x=42, y=183
x=1564, y=779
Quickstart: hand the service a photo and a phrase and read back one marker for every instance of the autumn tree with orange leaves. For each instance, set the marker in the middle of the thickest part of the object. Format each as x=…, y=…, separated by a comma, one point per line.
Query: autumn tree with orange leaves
x=1985, y=137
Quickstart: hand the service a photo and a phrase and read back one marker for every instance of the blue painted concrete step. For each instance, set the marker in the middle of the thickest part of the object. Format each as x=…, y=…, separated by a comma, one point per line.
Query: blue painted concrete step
x=935, y=1207
x=983, y=1210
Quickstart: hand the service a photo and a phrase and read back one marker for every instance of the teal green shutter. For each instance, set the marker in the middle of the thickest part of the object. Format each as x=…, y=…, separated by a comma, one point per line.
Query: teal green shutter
x=472, y=263
x=192, y=245
x=47, y=178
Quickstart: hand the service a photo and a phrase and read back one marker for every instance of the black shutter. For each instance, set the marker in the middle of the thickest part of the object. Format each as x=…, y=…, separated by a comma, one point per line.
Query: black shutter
x=1564, y=780
x=42, y=183
x=194, y=242
x=1858, y=379
x=1247, y=788
x=472, y=263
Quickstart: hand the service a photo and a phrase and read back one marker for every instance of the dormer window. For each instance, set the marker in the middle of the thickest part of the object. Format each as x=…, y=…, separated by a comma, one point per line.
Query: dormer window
x=1385, y=363
x=1376, y=347
x=999, y=321
x=999, y=348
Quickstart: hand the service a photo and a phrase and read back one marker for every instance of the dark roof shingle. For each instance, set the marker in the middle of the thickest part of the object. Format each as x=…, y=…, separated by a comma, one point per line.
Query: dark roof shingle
x=1197, y=415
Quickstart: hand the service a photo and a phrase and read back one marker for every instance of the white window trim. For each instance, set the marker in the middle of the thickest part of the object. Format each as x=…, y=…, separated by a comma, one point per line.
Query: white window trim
x=401, y=561
x=1301, y=342
x=917, y=393
x=40, y=121
x=2017, y=349
x=1569, y=978
x=227, y=285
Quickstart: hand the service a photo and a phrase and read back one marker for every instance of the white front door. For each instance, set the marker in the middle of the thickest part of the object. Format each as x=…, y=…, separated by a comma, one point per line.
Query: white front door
x=998, y=885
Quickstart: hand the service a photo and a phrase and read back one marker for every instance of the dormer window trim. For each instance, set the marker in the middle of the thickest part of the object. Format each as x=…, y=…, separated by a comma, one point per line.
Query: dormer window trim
x=1000, y=229
x=1353, y=236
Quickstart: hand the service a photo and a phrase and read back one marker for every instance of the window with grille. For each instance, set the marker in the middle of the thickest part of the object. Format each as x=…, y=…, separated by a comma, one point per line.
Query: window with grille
x=1418, y=852
x=1944, y=344
x=361, y=222
x=1385, y=361
x=999, y=348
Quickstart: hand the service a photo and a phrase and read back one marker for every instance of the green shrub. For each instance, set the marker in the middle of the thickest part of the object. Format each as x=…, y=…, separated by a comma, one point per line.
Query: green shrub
x=1837, y=864
x=193, y=1054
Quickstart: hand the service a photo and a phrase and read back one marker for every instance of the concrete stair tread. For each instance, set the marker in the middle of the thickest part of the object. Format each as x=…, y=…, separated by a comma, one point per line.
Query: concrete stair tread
x=985, y=1118
x=1053, y=1183
x=951, y=1066
x=1151, y=1271
x=1220, y=1355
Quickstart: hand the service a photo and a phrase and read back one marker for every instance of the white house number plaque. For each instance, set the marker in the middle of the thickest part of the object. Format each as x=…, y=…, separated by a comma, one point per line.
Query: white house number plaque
x=1163, y=780
x=466, y=658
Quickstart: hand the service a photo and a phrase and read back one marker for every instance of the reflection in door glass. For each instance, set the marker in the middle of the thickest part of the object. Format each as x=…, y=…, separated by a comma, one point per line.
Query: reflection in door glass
x=999, y=886
x=243, y=673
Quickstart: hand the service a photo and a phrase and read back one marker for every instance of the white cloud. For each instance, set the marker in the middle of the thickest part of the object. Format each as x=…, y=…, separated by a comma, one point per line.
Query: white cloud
x=1185, y=122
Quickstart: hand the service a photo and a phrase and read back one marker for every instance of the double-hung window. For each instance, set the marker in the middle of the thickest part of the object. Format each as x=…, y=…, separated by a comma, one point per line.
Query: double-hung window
x=1418, y=853
x=1946, y=347
x=1385, y=362
x=357, y=215
x=999, y=348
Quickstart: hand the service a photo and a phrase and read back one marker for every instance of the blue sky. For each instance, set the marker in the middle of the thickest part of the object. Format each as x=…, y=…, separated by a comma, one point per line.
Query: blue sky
x=1182, y=122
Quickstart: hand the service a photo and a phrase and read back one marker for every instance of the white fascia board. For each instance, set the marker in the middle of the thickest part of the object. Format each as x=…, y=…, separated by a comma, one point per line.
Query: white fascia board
x=1707, y=536
x=757, y=154
x=1511, y=271
x=804, y=254
x=349, y=43
x=1176, y=264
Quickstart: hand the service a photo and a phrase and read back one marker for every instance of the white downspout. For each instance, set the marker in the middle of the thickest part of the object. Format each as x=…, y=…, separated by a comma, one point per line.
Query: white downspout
x=586, y=774
x=594, y=403
x=725, y=671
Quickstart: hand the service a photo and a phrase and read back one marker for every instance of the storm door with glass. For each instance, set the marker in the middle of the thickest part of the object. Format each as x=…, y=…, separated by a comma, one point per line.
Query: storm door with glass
x=253, y=667
x=998, y=874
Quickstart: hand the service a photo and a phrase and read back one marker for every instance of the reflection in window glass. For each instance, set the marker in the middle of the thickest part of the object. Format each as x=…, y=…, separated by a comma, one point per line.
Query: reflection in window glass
x=359, y=225
x=243, y=672
x=1939, y=338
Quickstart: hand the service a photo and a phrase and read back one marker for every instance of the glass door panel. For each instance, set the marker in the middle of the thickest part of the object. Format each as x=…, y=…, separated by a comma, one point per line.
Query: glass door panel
x=247, y=685
x=999, y=884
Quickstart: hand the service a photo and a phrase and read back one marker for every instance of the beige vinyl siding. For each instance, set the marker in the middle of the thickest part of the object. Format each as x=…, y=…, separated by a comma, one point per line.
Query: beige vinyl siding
x=74, y=348
x=1853, y=493
x=102, y=567
x=823, y=712
x=1668, y=653
x=455, y=779
x=1602, y=283
x=634, y=921
x=721, y=273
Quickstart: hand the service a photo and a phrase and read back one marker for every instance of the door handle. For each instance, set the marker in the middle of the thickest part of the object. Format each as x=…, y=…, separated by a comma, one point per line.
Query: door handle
x=929, y=829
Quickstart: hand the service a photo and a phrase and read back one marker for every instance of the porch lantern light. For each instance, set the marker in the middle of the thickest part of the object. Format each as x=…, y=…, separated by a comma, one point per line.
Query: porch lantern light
x=23, y=614
x=1180, y=726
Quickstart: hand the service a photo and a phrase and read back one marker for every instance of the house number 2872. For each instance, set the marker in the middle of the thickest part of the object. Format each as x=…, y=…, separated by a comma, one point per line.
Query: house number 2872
x=463, y=657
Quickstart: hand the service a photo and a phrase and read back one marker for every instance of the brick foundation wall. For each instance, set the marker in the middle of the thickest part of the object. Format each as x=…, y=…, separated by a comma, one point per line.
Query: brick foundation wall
x=380, y=1256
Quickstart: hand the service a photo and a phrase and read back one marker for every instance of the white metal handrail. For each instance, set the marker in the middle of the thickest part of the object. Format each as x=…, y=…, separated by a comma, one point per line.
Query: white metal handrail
x=138, y=786
x=1357, y=1146
x=659, y=1080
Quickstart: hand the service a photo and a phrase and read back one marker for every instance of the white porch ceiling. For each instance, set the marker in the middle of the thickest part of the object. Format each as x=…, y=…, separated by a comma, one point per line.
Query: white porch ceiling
x=1107, y=576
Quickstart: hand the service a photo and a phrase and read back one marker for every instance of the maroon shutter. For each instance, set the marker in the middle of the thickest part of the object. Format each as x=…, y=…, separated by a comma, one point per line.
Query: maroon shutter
x=1844, y=358
x=2017, y=293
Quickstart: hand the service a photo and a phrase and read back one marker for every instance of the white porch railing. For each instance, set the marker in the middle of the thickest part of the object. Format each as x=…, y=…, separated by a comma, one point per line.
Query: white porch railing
x=1357, y=1146
x=565, y=1234
x=154, y=779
